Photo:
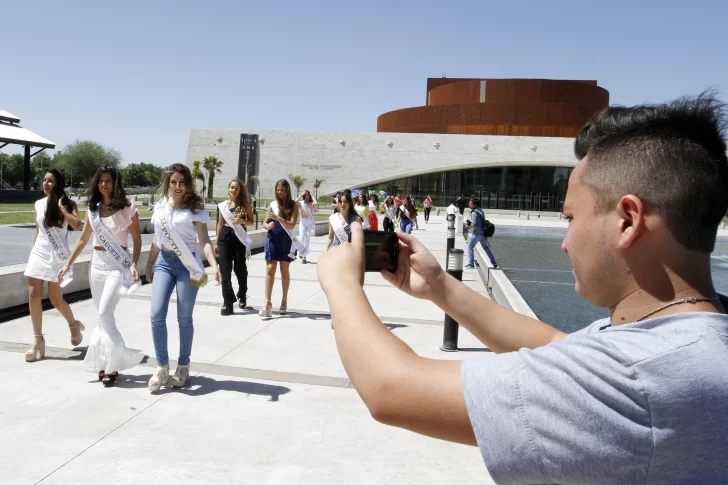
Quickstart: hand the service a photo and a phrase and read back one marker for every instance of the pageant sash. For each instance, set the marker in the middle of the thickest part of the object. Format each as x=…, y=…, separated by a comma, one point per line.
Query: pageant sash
x=360, y=210
x=238, y=228
x=61, y=251
x=121, y=256
x=296, y=244
x=390, y=212
x=339, y=232
x=307, y=209
x=198, y=277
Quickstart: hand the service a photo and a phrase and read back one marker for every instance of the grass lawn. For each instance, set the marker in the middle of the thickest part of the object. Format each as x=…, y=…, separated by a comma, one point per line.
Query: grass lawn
x=16, y=207
x=25, y=217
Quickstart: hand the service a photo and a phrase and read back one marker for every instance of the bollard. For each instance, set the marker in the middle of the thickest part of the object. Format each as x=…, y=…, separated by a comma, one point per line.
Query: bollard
x=450, y=332
x=255, y=211
x=450, y=237
x=528, y=217
x=518, y=213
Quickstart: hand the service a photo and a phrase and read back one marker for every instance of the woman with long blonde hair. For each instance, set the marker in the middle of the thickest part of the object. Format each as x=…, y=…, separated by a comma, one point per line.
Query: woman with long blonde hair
x=232, y=244
x=180, y=223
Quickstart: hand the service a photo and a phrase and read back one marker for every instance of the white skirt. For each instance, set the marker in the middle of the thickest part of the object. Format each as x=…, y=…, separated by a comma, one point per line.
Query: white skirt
x=42, y=263
x=107, y=350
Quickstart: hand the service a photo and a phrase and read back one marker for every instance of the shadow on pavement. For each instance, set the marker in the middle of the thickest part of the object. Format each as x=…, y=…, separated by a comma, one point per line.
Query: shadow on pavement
x=202, y=385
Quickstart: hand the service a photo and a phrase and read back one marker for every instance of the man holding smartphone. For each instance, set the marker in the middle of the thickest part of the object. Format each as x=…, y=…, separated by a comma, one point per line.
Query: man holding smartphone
x=635, y=398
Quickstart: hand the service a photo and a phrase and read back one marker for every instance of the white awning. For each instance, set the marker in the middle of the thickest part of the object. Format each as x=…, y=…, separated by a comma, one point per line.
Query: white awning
x=10, y=133
x=5, y=116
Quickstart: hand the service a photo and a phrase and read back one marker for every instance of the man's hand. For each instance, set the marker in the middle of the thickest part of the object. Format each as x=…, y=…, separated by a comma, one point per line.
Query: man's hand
x=343, y=266
x=418, y=272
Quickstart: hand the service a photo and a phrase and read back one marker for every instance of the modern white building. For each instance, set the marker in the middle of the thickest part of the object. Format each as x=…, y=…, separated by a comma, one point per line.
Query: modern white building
x=510, y=172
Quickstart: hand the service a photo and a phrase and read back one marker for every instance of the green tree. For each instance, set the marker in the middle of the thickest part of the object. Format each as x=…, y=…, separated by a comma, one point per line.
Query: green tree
x=80, y=160
x=316, y=186
x=211, y=165
x=197, y=174
x=298, y=181
x=12, y=169
x=141, y=175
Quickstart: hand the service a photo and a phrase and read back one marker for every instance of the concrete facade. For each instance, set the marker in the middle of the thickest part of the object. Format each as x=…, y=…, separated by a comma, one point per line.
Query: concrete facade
x=353, y=159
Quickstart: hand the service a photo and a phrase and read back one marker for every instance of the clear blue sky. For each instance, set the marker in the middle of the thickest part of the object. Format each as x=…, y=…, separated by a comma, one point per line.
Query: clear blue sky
x=138, y=75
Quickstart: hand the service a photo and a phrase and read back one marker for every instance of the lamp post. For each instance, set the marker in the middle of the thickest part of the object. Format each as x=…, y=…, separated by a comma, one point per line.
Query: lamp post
x=451, y=329
x=450, y=237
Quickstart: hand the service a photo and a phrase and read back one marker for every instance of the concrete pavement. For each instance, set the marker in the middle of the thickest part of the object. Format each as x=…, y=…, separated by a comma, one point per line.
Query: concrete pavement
x=269, y=401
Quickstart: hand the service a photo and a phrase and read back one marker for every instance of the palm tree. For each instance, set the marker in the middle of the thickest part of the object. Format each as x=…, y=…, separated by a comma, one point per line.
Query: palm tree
x=211, y=165
x=297, y=180
x=317, y=184
x=197, y=174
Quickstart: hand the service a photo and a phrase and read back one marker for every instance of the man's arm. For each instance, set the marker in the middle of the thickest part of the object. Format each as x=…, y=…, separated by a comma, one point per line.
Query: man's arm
x=399, y=387
x=501, y=329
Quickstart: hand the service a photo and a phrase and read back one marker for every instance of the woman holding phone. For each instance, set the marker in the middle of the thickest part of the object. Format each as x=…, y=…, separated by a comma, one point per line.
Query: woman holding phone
x=54, y=214
x=281, y=245
x=111, y=217
x=233, y=244
x=180, y=222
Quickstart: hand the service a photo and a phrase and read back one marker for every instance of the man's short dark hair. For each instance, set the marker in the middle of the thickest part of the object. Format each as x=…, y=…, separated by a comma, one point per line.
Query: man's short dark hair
x=475, y=201
x=672, y=156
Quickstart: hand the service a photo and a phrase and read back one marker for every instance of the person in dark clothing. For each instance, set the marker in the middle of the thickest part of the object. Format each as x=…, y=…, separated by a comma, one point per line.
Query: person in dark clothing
x=462, y=203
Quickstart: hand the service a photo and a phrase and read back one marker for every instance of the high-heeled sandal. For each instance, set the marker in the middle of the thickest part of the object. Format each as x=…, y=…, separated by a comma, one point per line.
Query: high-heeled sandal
x=226, y=310
x=266, y=312
x=110, y=379
x=242, y=303
x=284, y=306
x=76, y=335
x=36, y=349
x=159, y=378
x=102, y=374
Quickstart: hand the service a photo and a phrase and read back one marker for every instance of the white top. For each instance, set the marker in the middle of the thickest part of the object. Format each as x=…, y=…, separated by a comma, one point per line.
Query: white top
x=118, y=224
x=453, y=209
x=182, y=220
x=40, y=210
x=372, y=206
x=390, y=211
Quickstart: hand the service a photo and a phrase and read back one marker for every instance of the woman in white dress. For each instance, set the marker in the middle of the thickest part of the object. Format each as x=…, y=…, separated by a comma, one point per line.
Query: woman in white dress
x=53, y=216
x=111, y=272
x=306, y=225
x=180, y=222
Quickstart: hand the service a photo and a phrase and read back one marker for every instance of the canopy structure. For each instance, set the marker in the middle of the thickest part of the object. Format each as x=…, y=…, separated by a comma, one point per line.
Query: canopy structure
x=11, y=133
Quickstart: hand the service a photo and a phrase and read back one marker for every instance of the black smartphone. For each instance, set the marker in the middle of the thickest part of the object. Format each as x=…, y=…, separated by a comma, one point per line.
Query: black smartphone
x=381, y=250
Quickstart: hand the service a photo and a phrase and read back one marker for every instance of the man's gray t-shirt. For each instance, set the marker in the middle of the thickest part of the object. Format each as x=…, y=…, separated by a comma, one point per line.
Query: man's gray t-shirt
x=639, y=403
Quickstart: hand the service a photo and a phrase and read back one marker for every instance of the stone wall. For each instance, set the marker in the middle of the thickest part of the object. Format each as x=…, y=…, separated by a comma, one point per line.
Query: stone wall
x=352, y=159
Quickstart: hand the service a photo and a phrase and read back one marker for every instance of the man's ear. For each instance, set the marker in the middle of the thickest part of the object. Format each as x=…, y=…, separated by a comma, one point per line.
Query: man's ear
x=631, y=219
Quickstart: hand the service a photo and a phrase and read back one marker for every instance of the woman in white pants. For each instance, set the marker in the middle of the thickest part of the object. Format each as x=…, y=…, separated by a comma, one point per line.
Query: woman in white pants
x=306, y=224
x=111, y=217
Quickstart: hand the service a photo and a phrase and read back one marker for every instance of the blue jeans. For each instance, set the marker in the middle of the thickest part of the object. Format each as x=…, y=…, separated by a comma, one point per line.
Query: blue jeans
x=474, y=240
x=406, y=225
x=168, y=273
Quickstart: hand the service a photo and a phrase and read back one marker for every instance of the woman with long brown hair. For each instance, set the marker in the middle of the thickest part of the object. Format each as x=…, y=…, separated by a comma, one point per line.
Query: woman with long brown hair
x=111, y=217
x=180, y=223
x=339, y=223
x=54, y=214
x=280, y=244
x=306, y=226
x=233, y=244
x=407, y=213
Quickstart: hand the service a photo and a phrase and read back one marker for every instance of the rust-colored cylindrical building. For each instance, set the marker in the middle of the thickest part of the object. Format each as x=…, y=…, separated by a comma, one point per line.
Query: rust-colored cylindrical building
x=508, y=107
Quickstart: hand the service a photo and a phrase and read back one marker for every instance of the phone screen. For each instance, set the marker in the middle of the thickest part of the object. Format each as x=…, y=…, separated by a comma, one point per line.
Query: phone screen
x=382, y=250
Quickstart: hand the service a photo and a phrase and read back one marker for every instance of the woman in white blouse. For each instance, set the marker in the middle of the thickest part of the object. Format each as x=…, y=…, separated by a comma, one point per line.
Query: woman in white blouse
x=180, y=221
x=111, y=217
